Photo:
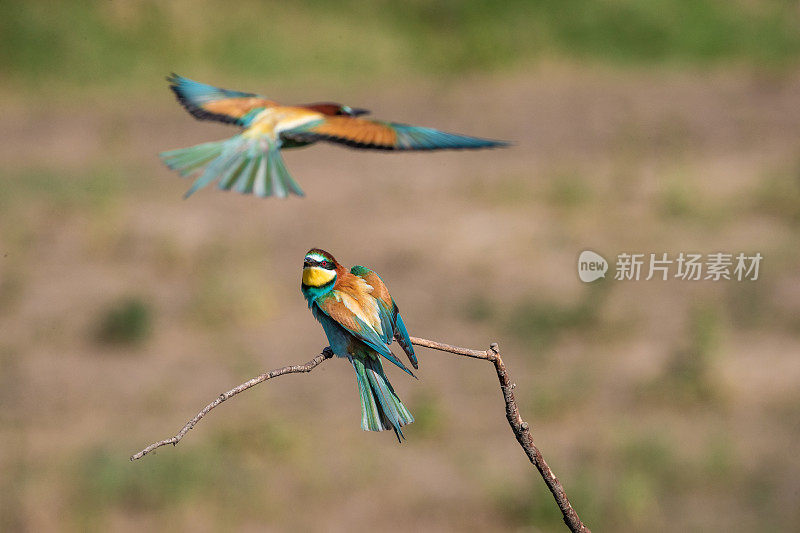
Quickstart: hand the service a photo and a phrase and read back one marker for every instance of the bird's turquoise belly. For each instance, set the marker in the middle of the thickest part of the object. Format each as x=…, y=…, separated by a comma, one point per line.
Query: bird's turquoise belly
x=339, y=339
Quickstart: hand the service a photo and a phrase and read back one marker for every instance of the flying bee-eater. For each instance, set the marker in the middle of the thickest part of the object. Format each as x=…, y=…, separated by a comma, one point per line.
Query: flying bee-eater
x=360, y=320
x=251, y=162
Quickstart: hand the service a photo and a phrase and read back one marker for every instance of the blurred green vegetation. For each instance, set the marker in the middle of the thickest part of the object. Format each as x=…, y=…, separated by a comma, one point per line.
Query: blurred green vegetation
x=223, y=295
x=105, y=482
x=552, y=397
x=430, y=420
x=690, y=375
x=127, y=321
x=237, y=460
x=58, y=45
x=91, y=188
x=540, y=322
x=11, y=290
x=778, y=194
x=626, y=483
x=569, y=190
x=691, y=372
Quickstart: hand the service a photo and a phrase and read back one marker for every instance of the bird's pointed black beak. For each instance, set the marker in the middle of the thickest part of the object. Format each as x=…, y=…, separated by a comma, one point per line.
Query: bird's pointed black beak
x=356, y=111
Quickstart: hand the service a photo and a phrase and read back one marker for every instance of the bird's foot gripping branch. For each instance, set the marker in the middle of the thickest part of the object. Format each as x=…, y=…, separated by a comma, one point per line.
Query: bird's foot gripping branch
x=521, y=429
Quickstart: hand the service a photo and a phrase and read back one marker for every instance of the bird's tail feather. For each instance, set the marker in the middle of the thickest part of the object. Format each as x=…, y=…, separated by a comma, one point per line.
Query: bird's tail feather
x=245, y=164
x=381, y=409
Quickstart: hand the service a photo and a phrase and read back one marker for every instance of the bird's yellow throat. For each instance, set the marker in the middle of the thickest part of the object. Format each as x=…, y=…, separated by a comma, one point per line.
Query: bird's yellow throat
x=316, y=277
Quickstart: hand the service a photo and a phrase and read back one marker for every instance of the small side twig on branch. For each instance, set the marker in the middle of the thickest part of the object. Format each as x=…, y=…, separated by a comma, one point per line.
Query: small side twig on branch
x=520, y=428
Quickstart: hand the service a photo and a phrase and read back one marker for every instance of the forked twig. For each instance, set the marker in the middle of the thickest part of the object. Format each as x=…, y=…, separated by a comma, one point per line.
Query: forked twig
x=520, y=428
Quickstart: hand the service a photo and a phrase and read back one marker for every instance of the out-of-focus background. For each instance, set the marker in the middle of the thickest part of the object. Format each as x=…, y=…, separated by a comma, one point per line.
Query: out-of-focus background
x=649, y=127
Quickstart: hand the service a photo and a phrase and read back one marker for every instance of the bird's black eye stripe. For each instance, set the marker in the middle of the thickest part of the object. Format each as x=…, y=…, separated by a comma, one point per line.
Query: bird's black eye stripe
x=323, y=263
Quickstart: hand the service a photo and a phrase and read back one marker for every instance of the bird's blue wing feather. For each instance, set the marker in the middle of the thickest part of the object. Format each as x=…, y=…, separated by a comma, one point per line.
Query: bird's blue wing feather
x=391, y=321
x=329, y=304
x=403, y=339
x=208, y=102
x=381, y=135
x=419, y=138
x=201, y=93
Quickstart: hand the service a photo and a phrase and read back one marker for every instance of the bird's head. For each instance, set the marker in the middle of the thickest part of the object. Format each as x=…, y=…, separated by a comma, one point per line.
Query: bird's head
x=319, y=269
x=352, y=111
x=334, y=109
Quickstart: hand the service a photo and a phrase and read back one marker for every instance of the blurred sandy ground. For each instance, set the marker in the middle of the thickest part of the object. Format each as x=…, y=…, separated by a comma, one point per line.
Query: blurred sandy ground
x=660, y=405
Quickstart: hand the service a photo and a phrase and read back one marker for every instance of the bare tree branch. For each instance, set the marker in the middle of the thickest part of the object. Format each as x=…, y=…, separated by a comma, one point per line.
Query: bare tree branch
x=520, y=428
x=293, y=369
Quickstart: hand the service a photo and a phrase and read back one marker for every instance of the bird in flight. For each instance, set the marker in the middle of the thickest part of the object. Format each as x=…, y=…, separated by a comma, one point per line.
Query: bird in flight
x=360, y=320
x=251, y=162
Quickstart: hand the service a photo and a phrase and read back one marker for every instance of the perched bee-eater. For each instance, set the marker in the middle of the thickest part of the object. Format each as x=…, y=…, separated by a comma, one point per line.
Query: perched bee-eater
x=250, y=162
x=360, y=319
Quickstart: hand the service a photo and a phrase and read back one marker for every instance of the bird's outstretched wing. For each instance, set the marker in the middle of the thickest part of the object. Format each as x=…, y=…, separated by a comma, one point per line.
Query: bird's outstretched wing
x=378, y=135
x=207, y=102
x=361, y=318
x=391, y=321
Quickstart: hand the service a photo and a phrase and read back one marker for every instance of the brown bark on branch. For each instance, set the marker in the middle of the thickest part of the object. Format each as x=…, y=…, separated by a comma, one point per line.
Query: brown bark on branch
x=293, y=369
x=520, y=428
